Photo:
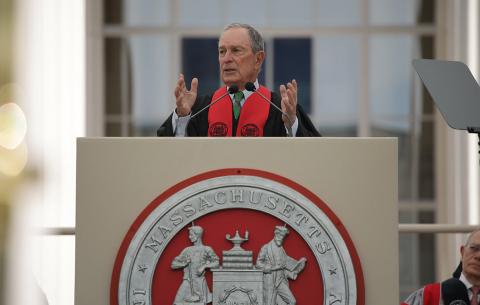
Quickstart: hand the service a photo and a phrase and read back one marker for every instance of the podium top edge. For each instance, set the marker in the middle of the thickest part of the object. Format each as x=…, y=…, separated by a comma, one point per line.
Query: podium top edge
x=245, y=141
x=232, y=138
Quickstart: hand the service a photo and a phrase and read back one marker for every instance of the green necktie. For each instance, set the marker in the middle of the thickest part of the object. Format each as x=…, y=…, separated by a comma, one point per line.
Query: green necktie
x=237, y=98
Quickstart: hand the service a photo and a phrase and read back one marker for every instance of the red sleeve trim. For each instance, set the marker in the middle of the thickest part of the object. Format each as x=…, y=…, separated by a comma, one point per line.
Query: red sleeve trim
x=431, y=294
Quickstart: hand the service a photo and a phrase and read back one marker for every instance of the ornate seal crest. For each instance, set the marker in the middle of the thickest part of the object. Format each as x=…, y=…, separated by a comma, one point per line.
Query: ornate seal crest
x=250, y=130
x=218, y=129
x=317, y=261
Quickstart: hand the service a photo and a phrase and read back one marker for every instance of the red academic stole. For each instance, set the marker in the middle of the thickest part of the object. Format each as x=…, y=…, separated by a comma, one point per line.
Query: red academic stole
x=431, y=295
x=252, y=117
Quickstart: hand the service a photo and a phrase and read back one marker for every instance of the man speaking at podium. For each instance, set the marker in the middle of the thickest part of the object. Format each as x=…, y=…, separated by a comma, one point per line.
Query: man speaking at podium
x=242, y=107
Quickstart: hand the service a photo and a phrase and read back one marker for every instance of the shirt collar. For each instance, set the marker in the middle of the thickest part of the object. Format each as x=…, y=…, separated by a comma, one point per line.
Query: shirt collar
x=464, y=280
x=246, y=93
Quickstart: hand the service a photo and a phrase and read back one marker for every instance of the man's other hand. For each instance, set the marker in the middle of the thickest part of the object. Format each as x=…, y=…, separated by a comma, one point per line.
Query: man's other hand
x=289, y=102
x=185, y=98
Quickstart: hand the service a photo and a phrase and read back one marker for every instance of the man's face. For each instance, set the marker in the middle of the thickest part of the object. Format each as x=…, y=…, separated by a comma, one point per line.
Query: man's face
x=279, y=238
x=238, y=63
x=471, y=257
x=193, y=236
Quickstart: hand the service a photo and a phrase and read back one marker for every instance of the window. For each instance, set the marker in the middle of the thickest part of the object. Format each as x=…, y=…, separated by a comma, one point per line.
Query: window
x=200, y=60
x=292, y=59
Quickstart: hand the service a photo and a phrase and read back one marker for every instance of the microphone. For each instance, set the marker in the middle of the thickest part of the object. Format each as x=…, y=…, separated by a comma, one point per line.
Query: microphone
x=251, y=87
x=232, y=90
x=454, y=292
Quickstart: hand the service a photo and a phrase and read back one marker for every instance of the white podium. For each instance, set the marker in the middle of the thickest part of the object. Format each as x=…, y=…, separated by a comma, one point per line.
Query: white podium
x=118, y=178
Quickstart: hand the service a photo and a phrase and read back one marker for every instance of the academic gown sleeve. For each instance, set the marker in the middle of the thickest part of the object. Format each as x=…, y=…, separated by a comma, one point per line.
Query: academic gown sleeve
x=428, y=295
x=197, y=127
x=415, y=298
x=274, y=127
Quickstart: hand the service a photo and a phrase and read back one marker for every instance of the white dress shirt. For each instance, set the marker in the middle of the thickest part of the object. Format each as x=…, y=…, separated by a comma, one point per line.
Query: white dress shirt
x=468, y=285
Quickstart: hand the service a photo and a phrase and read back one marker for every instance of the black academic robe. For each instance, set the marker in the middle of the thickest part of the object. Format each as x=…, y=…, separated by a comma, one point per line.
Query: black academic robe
x=449, y=292
x=274, y=126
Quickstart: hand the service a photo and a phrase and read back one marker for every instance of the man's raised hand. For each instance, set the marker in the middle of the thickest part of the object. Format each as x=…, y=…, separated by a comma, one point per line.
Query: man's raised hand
x=289, y=102
x=185, y=98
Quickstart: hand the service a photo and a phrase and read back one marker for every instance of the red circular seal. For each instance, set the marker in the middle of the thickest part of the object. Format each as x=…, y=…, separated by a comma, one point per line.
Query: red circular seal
x=311, y=284
x=250, y=130
x=218, y=129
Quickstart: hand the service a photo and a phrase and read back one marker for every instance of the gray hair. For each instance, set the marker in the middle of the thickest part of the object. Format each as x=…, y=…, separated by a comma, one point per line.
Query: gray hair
x=471, y=235
x=256, y=40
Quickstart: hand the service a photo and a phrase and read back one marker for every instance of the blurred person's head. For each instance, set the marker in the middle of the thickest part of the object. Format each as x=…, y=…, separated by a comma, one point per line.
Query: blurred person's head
x=471, y=257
